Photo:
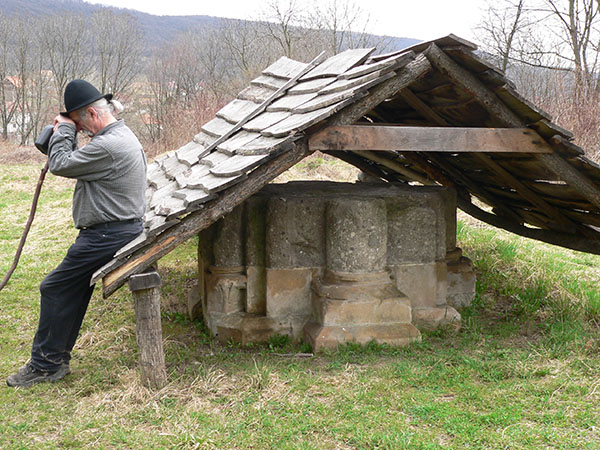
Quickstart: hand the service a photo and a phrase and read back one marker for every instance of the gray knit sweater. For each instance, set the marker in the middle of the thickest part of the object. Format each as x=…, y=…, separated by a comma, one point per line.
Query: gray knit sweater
x=110, y=172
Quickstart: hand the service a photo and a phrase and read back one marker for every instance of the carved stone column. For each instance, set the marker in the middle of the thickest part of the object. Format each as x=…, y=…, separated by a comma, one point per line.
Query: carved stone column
x=356, y=300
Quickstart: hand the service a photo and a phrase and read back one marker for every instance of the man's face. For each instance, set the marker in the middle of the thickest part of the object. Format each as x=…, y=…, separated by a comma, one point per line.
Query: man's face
x=83, y=121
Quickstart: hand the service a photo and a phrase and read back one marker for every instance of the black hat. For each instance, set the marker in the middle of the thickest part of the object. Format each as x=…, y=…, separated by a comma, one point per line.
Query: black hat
x=80, y=93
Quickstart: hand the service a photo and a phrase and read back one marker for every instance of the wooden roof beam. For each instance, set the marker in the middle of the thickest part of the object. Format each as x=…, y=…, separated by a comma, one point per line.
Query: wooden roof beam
x=527, y=193
x=574, y=242
x=428, y=139
x=496, y=107
x=422, y=108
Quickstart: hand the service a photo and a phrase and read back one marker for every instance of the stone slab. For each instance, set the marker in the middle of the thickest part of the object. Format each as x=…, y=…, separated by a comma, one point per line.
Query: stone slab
x=330, y=337
x=288, y=292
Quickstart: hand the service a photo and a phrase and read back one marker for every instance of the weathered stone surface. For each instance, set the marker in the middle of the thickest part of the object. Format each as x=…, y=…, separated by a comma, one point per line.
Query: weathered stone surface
x=295, y=230
x=228, y=244
x=255, y=218
x=256, y=290
x=288, y=292
x=225, y=291
x=424, y=284
x=329, y=337
x=246, y=328
x=356, y=235
x=461, y=282
x=428, y=319
x=361, y=262
x=412, y=234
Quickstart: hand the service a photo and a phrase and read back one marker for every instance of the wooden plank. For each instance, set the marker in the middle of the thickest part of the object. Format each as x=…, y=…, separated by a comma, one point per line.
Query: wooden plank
x=190, y=153
x=310, y=86
x=450, y=40
x=213, y=159
x=213, y=184
x=338, y=64
x=565, y=223
x=153, y=169
x=217, y=127
x=160, y=224
x=200, y=220
x=134, y=245
x=236, y=110
x=289, y=102
x=171, y=207
x=467, y=81
x=322, y=101
x=583, y=185
x=474, y=188
x=285, y=67
x=259, y=94
x=188, y=178
x=388, y=89
x=383, y=65
x=268, y=101
x=422, y=108
x=193, y=197
x=163, y=193
x=299, y=122
x=237, y=165
x=173, y=167
x=270, y=82
x=428, y=139
x=204, y=139
x=395, y=166
x=571, y=241
x=265, y=120
x=239, y=139
x=265, y=144
x=345, y=84
x=159, y=180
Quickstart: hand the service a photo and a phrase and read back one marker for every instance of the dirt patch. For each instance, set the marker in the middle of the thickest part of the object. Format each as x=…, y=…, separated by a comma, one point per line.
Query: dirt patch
x=15, y=154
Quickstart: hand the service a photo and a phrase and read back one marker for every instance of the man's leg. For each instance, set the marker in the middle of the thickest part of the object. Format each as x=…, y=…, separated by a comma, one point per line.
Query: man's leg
x=65, y=295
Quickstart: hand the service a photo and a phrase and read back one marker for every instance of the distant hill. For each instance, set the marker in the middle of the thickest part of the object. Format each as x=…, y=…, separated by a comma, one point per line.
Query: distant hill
x=157, y=29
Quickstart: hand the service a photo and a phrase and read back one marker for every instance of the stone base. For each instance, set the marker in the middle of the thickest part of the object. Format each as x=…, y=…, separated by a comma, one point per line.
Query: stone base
x=330, y=336
x=429, y=319
x=244, y=328
x=461, y=280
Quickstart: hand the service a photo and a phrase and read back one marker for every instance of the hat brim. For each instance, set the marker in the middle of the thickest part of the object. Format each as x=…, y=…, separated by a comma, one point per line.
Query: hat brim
x=108, y=97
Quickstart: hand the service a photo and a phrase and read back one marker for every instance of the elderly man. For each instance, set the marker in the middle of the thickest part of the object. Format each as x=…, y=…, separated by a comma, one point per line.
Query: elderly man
x=108, y=205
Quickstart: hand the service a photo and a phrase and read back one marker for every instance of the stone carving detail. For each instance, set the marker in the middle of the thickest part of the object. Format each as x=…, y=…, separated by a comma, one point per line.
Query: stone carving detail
x=334, y=263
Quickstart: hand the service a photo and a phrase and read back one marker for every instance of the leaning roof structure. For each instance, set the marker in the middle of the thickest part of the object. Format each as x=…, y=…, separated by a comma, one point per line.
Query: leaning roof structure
x=434, y=113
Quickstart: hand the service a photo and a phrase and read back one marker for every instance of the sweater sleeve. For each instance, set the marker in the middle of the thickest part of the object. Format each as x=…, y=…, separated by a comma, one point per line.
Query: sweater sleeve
x=90, y=162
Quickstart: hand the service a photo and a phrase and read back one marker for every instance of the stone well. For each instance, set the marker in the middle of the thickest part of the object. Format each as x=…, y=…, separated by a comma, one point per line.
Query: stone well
x=334, y=263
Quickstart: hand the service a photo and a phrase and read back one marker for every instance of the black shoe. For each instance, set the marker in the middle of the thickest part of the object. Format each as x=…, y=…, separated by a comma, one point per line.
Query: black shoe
x=28, y=375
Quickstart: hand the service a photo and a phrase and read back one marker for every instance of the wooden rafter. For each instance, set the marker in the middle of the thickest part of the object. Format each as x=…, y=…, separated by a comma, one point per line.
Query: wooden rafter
x=498, y=109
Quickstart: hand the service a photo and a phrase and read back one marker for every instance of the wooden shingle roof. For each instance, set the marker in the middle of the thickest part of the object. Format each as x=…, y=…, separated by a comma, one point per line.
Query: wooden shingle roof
x=434, y=94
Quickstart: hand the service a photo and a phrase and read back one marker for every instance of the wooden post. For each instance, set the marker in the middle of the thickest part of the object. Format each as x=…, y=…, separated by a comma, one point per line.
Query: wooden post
x=145, y=289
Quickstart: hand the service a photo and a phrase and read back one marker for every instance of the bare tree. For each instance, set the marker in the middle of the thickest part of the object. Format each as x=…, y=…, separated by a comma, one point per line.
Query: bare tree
x=8, y=103
x=503, y=28
x=118, y=47
x=283, y=23
x=67, y=43
x=343, y=24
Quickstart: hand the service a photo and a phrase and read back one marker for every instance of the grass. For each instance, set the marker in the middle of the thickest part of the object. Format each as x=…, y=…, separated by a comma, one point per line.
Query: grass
x=522, y=373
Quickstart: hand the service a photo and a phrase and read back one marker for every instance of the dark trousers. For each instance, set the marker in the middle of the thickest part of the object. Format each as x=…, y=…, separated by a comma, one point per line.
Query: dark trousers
x=66, y=291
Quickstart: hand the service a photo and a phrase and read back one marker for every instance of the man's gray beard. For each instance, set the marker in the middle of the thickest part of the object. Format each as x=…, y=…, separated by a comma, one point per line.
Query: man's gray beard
x=87, y=133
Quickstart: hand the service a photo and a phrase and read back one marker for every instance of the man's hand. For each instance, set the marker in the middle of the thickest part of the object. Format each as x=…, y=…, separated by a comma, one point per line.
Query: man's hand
x=62, y=119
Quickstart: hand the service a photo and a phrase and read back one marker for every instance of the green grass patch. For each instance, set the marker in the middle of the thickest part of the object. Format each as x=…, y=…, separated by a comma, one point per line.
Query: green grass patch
x=523, y=371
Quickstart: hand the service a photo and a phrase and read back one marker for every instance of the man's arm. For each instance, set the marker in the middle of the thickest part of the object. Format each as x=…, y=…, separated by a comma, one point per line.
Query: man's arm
x=88, y=163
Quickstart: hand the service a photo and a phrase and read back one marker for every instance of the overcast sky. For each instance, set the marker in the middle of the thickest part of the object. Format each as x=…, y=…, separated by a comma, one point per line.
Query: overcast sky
x=419, y=19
